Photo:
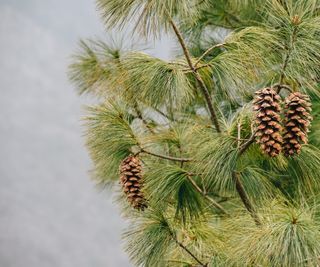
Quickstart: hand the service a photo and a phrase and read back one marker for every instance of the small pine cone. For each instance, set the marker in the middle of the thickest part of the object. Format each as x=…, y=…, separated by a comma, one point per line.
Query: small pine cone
x=297, y=122
x=131, y=181
x=268, y=127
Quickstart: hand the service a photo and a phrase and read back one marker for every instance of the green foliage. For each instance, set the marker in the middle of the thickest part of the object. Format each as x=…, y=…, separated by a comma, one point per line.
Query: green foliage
x=304, y=170
x=152, y=15
x=149, y=239
x=216, y=158
x=243, y=62
x=200, y=212
x=297, y=27
x=93, y=66
x=170, y=184
x=155, y=81
x=109, y=139
x=289, y=237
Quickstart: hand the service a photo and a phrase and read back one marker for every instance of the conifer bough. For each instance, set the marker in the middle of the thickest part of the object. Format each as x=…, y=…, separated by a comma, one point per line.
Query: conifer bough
x=209, y=198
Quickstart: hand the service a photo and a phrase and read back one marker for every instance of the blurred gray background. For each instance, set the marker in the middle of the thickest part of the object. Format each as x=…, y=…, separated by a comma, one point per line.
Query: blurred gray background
x=51, y=214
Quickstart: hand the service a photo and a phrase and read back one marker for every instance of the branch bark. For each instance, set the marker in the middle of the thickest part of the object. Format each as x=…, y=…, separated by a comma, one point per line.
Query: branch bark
x=207, y=52
x=287, y=58
x=247, y=144
x=165, y=156
x=245, y=199
x=213, y=202
x=240, y=187
x=173, y=236
x=201, y=83
x=139, y=115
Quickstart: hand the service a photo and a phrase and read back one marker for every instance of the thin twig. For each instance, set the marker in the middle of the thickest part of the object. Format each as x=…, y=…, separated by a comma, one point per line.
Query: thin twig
x=165, y=156
x=287, y=58
x=240, y=187
x=201, y=83
x=197, y=68
x=207, y=52
x=213, y=202
x=160, y=112
x=163, y=114
x=282, y=86
x=173, y=236
x=139, y=114
x=247, y=144
x=239, y=133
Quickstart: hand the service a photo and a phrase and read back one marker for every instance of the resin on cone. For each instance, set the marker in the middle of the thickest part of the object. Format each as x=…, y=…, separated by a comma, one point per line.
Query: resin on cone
x=132, y=183
x=268, y=126
x=297, y=122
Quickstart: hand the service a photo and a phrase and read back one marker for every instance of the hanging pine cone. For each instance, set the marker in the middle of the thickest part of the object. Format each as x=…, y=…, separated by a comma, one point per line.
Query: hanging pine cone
x=131, y=181
x=297, y=122
x=268, y=127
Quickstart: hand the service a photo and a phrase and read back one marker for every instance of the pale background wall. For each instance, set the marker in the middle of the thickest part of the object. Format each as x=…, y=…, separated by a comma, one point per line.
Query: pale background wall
x=51, y=215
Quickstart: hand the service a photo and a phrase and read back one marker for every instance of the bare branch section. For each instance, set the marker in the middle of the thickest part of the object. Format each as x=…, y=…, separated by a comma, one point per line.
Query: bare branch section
x=201, y=83
x=245, y=199
x=140, y=117
x=287, y=58
x=207, y=52
x=165, y=156
x=213, y=202
x=173, y=236
x=247, y=144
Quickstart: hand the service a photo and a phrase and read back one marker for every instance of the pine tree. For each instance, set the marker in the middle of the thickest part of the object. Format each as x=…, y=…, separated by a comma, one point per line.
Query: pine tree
x=215, y=164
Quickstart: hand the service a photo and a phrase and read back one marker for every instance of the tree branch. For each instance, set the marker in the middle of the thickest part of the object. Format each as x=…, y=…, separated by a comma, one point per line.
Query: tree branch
x=245, y=199
x=207, y=52
x=282, y=86
x=239, y=186
x=139, y=115
x=287, y=58
x=165, y=156
x=197, y=68
x=173, y=236
x=213, y=202
x=201, y=83
x=247, y=144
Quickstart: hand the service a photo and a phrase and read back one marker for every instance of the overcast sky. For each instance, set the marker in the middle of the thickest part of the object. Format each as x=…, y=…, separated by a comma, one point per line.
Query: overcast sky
x=51, y=214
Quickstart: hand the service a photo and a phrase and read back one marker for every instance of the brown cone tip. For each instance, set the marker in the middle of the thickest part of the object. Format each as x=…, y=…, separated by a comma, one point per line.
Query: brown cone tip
x=297, y=122
x=268, y=126
x=132, y=182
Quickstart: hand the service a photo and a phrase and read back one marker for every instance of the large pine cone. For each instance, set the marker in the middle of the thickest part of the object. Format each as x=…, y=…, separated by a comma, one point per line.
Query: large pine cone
x=268, y=127
x=131, y=181
x=297, y=122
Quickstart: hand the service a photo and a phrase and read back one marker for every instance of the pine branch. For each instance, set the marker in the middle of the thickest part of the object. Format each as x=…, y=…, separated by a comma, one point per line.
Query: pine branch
x=240, y=187
x=201, y=83
x=279, y=86
x=247, y=144
x=245, y=199
x=164, y=156
x=207, y=52
x=139, y=115
x=163, y=114
x=287, y=58
x=197, y=68
x=214, y=203
x=173, y=236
